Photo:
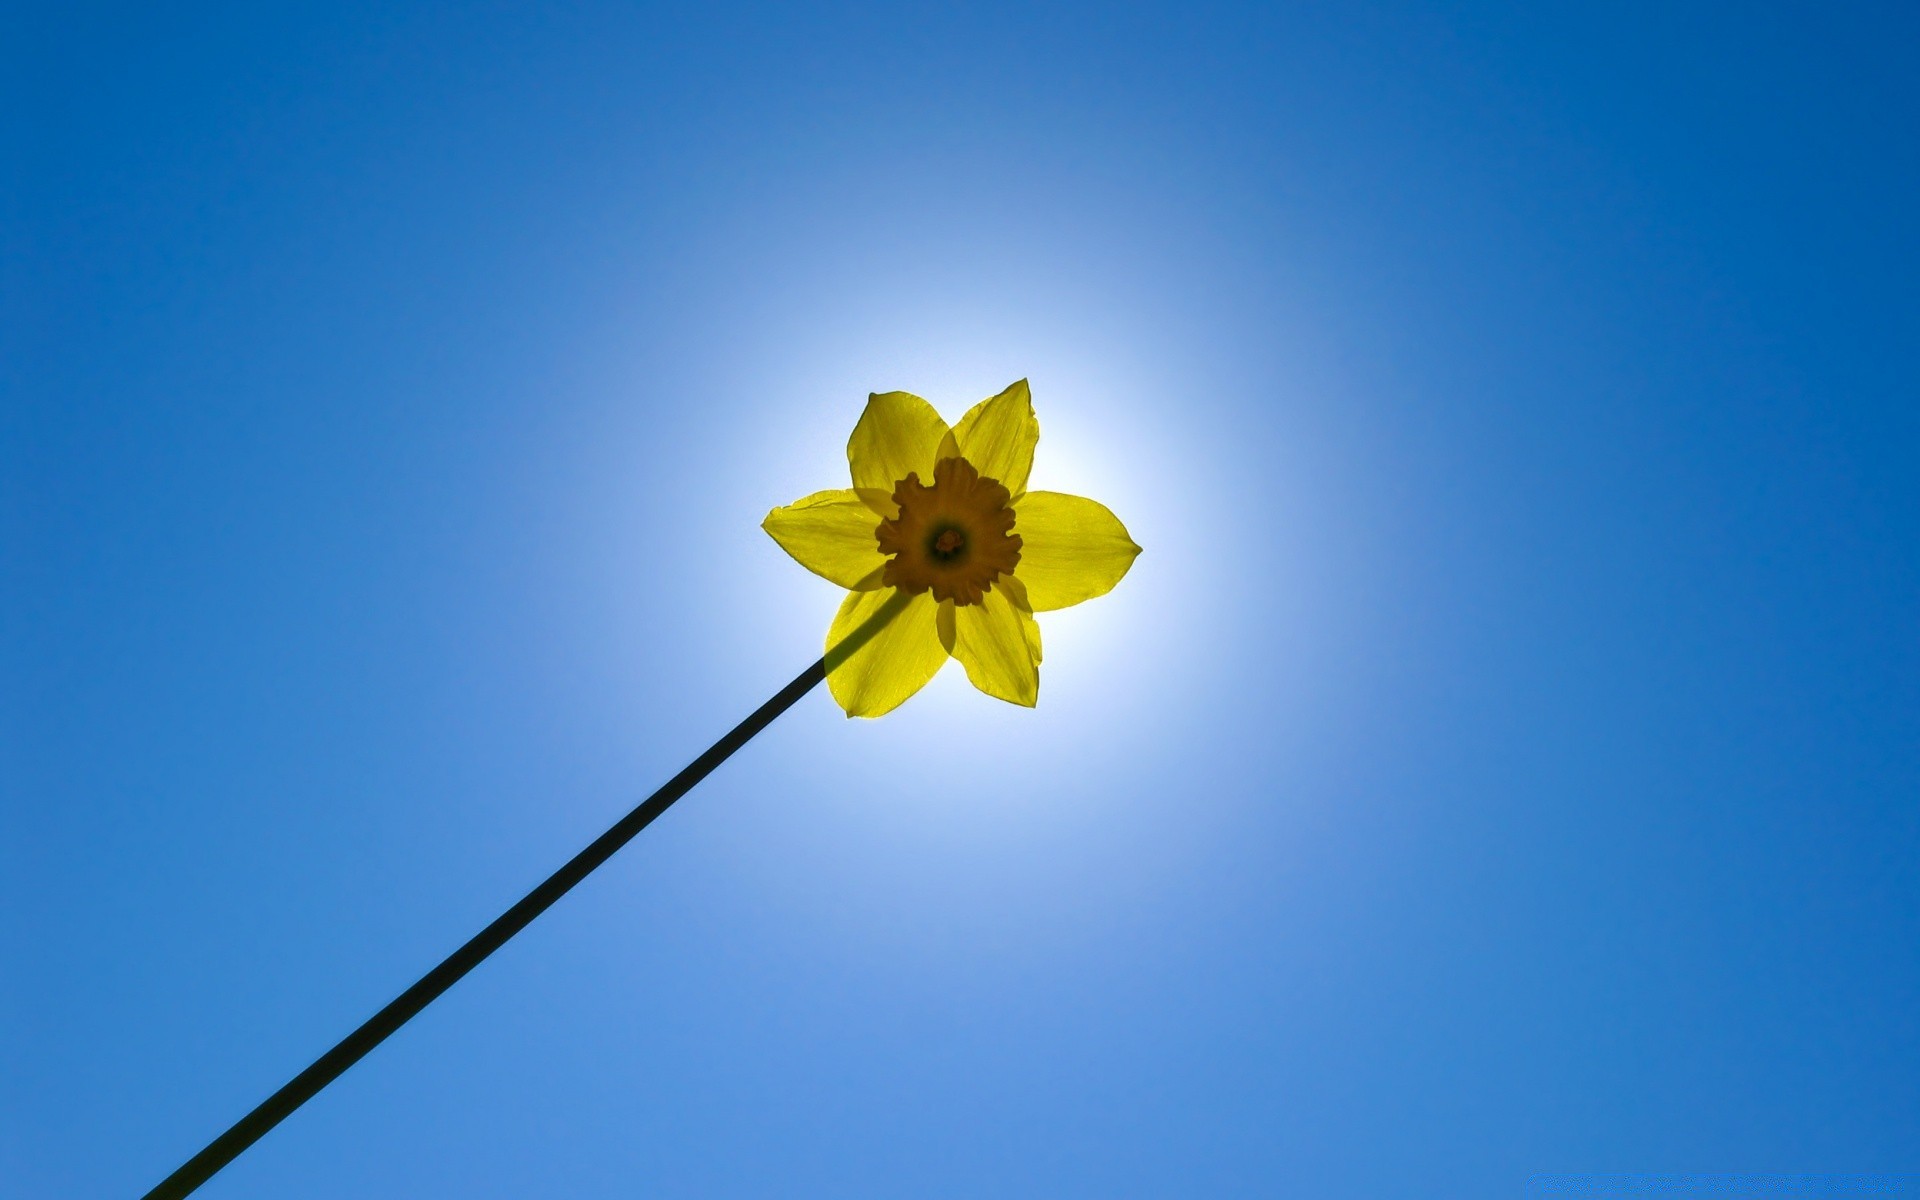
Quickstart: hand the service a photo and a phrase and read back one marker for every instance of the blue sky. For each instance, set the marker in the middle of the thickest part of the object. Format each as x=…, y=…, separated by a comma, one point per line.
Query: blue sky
x=1502, y=761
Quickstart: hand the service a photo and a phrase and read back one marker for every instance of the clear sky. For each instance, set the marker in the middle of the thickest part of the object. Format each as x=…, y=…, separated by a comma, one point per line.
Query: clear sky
x=1503, y=759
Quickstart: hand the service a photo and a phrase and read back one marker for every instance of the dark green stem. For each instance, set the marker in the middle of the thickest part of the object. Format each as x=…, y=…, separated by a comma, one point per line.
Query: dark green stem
x=329, y=1066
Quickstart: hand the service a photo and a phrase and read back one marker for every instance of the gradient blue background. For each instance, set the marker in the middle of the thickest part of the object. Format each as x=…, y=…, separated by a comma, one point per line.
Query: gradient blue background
x=1503, y=758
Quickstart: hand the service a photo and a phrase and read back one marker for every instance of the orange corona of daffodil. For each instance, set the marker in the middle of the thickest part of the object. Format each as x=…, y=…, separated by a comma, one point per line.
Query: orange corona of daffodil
x=945, y=552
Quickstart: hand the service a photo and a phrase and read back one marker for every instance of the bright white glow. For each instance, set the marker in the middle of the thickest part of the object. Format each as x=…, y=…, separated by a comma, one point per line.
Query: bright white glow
x=909, y=817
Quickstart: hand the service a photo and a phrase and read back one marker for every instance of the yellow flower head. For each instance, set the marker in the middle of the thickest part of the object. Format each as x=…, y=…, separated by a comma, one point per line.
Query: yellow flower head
x=945, y=552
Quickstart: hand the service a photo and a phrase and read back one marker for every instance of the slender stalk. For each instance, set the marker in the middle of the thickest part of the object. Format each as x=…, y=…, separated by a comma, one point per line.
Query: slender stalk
x=352, y=1048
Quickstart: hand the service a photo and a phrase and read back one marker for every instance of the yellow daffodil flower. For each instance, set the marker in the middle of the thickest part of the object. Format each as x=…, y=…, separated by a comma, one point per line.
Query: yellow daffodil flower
x=944, y=551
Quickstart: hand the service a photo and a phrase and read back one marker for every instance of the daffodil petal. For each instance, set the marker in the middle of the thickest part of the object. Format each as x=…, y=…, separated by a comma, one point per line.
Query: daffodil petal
x=1071, y=549
x=1017, y=592
x=991, y=643
x=943, y=624
x=831, y=534
x=899, y=434
x=883, y=647
x=998, y=436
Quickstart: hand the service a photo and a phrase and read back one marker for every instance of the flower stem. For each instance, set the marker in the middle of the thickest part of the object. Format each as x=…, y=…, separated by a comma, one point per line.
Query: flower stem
x=329, y=1066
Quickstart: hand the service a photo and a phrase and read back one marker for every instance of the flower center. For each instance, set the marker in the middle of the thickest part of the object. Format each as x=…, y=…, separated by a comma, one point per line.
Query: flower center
x=950, y=538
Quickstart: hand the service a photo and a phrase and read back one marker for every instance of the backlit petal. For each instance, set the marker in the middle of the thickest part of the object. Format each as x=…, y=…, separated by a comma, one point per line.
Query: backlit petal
x=1072, y=549
x=1017, y=592
x=830, y=534
x=998, y=436
x=943, y=624
x=882, y=648
x=991, y=643
x=898, y=434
